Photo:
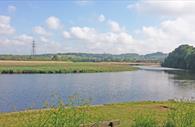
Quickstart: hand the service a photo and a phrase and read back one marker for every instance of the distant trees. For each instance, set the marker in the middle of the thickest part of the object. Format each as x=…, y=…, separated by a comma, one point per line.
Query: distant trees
x=182, y=57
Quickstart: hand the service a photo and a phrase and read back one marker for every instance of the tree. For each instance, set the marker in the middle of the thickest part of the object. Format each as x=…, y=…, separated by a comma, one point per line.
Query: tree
x=182, y=57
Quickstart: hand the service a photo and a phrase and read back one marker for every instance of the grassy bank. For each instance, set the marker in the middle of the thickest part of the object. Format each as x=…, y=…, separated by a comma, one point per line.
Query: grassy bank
x=60, y=67
x=133, y=114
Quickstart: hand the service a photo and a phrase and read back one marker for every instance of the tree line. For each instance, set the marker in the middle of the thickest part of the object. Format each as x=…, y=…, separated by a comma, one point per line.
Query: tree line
x=89, y=57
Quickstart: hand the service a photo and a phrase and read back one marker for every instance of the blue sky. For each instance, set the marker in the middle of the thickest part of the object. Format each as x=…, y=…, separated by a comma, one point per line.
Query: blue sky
x=95, y=26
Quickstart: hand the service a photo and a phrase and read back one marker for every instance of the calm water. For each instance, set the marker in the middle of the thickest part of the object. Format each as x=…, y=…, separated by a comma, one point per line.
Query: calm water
x=18, y=92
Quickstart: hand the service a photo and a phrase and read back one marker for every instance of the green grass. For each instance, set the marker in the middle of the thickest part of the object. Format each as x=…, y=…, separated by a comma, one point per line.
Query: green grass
x=144, y=121
x=183, y=115
x=60, y=67
x=132, y=114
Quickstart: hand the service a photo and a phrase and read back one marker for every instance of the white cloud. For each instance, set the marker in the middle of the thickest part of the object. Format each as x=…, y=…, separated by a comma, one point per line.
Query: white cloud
x=5, y=27
x=178, y=27
x=22, y=39
x=41, y=31
x=83, y=32
x=44, y=39
x=164, y=37
x=101, y=18
x=160, y=7
x=20, y=44
x=115, y=27
x=11, y=8
x=168, y=35
x=66, y=34
x=53, y=22
x=109, y=42
x=53, y=47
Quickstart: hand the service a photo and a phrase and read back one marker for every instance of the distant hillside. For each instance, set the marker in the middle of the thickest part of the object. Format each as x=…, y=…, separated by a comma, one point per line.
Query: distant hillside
x=156, y=56
x=88, y=57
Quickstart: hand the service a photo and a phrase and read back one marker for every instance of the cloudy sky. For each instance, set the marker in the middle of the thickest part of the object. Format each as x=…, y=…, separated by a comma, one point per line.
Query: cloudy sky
x=96, y=26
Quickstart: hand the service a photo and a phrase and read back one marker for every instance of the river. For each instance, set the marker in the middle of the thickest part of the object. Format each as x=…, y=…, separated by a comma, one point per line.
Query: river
x=22, y=91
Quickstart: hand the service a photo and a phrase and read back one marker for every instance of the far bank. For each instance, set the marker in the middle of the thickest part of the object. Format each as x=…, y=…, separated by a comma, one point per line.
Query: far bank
x=17, y=67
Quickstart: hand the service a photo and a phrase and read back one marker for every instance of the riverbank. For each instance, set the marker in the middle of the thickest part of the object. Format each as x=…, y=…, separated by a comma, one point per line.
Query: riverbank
x=125, y=112
x=17, y=67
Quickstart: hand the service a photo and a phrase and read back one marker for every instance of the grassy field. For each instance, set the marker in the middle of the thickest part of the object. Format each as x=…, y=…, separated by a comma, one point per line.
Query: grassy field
x=132, y=114
x=60, y=67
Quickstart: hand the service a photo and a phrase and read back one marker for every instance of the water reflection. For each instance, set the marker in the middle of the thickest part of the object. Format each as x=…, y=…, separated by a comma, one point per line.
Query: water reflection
x=182, y=74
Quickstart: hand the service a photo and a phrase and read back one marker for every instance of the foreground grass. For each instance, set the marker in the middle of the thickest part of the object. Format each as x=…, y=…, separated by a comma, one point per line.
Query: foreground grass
x=133, y=114
x=60, y=67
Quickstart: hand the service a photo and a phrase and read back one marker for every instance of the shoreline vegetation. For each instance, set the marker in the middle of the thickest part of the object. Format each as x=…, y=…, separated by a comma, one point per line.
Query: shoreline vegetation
x=47, y=67
x=130, y=114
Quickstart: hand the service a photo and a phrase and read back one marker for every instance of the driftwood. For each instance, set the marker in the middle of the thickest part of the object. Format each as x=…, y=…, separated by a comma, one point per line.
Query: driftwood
x=113, y=123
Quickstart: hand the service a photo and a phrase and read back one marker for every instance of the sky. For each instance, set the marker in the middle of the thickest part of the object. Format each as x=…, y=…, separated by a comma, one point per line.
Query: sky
x=96, y=26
